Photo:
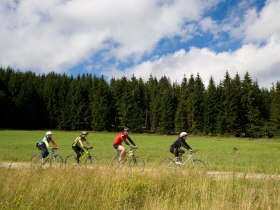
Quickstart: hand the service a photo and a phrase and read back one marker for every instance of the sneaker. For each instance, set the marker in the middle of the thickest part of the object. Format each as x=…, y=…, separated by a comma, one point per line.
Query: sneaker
x=178, y=163
x=121, y=161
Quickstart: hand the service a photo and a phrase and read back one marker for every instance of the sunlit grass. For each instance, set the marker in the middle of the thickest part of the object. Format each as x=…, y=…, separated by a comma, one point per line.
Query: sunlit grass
x=260, y=156
x=104, y=188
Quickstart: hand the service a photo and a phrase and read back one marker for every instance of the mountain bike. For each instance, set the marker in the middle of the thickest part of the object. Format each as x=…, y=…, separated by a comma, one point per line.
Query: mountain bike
x=52, y=160
x=86, y=159
x=184, y=161
x=133, y=161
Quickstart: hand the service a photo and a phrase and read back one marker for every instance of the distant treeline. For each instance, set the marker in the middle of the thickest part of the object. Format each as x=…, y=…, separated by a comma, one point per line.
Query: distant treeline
x=235, y=106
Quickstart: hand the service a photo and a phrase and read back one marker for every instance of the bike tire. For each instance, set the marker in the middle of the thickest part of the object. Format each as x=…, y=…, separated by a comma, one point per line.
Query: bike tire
x=199, y=165
x=114, y=162
x=36, y=161
x=71, y=160
x=136, y=164
x=168, y=163
x=56, y=161
x=91, y=162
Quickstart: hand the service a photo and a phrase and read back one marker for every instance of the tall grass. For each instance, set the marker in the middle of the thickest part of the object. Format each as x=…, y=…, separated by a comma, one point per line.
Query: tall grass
x=103, y=188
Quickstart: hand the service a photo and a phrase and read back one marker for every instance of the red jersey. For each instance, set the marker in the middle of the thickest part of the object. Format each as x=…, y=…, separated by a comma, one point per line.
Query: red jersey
x=120, y=138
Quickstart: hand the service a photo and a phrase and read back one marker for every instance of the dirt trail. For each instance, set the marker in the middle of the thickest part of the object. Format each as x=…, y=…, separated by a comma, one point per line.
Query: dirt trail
x=219, y=175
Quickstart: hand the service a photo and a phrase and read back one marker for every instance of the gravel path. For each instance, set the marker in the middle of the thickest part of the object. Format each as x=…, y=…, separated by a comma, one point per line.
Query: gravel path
x=219, y=175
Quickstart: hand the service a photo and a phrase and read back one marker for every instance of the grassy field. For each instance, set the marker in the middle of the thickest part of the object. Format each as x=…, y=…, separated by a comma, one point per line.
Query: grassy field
x=260, y=156
x=155, y=188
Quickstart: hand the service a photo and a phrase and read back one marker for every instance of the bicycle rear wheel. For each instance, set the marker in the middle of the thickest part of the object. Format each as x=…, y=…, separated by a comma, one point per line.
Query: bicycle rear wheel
x=56, y=161
x=36, y=161
x=136, y=164
x=71, y=160
x=91, y=162
x=168, y=163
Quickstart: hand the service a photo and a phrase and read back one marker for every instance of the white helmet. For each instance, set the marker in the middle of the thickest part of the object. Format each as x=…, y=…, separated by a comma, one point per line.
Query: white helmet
x=49, y=133
x=183, y=134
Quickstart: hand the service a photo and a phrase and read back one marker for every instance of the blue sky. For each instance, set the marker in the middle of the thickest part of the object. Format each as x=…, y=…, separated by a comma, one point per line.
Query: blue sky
x=118, y=38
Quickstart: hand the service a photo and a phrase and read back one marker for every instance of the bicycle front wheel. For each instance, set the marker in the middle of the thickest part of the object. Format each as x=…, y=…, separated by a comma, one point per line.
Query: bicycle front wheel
x=199, y=165
x=71, y=160
x=56, y=161
x=36, y=161
x=136, y=164
x=168, y=163
x=91, y=162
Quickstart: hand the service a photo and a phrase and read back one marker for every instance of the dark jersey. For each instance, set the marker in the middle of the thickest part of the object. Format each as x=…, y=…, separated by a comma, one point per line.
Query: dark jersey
x=180, y=142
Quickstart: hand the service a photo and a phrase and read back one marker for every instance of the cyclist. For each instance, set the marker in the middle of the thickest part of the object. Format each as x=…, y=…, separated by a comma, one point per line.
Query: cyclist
x=44, y=145
x=78, y=145
x=180, y=142
x=122, y=137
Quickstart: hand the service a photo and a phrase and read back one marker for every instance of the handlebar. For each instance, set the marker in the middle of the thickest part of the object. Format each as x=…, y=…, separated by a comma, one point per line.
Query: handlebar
x=133, y=147
x=193, y=151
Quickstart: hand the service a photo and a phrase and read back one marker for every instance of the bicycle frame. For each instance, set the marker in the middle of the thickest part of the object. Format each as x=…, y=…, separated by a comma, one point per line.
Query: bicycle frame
x=86, y=158
x=184, y=160
x=130, y=153
x=85, y=154
x=134, y=162
x=51, y=159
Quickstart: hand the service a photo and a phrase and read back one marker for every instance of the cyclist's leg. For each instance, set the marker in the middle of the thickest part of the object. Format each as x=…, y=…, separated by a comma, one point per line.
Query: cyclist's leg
x=177, y=155
x=180, y=152
x=122, y=152
x=78, y=151
x=44, y=150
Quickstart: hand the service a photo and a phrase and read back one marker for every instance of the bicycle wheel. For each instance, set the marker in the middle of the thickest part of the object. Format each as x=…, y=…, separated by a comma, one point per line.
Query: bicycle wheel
x=91, y=162
x=199, y=165
x=36, y=161
x=168, y=163
x=71, y=160
x=114, y=162
x=136, y=164
x=56, y=161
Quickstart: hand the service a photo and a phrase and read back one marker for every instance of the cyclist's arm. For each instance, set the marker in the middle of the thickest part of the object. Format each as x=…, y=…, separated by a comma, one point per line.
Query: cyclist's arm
x=88, y=143
x=53, y=143
x=185, y=145
x=132, y=142
x=81, y=143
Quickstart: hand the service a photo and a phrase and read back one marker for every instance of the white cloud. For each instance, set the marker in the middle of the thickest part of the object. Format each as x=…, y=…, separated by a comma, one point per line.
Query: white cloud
x=48, y=35
x=260, y=27
x=58, y=34
x=262, y=63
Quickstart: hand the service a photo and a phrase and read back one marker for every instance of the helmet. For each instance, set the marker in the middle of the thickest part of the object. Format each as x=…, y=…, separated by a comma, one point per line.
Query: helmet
x=84, y=133
x=126, y=129
x=183, y=134
x=49, y=133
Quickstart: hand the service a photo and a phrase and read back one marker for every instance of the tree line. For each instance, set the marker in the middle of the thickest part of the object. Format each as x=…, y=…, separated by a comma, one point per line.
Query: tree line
x=234, y=106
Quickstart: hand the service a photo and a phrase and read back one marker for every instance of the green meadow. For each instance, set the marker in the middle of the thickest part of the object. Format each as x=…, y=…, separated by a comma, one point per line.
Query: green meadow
x=258, y=155
x=155, y=188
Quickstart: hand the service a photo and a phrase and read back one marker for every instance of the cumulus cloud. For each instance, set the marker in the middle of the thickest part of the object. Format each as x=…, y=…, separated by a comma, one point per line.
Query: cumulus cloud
x=259, y=54
x=262, y=63
x=56, y=35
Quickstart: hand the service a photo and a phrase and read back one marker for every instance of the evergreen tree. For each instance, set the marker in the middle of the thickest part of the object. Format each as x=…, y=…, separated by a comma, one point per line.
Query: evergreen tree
x=198, y=109
x=251, y=120
x=210, y=108
x=181, y=115
x=191, y=102
x=152, y=87
x=274, y=120
x=100, y=99
x=167, y=106
x=137, y=116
